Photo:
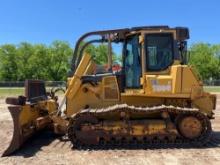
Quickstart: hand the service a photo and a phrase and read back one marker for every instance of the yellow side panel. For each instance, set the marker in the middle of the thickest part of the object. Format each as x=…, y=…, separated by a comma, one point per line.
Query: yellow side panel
x=110, y=88
x=105, y=94
x=176, y=76
x=189, y=80
x=137, y=100
x=180, y=80
x=83, y=99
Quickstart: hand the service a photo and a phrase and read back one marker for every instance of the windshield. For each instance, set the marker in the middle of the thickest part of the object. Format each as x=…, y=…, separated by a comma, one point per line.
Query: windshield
x=159, y=49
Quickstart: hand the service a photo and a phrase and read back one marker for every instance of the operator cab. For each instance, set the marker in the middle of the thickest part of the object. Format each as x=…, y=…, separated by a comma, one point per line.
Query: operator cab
x=146, y=50
x=152, y=51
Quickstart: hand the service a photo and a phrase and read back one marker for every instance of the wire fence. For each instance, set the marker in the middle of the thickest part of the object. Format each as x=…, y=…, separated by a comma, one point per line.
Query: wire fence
x=211, y=82
x=63, y=83
x=16, y=88
x=18, y=84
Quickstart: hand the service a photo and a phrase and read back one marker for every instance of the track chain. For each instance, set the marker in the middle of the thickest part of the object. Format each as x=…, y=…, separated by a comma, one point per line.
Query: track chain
x=155, y=142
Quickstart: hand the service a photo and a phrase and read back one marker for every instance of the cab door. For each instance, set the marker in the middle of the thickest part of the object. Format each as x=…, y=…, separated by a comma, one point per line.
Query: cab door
x=132, y=63
x=159, y=53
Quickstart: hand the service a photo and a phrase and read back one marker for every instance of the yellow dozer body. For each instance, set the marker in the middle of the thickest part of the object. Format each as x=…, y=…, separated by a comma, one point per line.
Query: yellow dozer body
x=154, y=98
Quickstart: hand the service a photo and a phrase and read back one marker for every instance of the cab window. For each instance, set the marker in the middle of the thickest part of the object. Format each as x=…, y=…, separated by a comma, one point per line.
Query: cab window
x=132, y=63
x=159, y=51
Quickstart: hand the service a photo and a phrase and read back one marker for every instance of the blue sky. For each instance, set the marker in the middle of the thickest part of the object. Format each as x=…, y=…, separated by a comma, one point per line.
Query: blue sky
x=43, y=21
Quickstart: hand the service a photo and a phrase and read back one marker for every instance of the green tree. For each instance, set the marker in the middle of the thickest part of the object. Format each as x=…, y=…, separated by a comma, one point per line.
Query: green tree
x=8, y=62
x=204, y=59
x=24, y=53
x=35, y=61
x=58, y=60
x=38, y=62
x=99, y=53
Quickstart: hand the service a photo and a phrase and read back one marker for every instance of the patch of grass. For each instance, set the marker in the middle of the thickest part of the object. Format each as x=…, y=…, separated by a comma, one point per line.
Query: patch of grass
x=18, y=91
x=4, y=92
x=212, y=88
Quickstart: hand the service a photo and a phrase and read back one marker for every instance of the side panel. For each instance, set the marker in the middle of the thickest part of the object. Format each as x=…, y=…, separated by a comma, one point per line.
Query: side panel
x=104, y=94
x=138, y=100
x=189, y=80
x=180, y=81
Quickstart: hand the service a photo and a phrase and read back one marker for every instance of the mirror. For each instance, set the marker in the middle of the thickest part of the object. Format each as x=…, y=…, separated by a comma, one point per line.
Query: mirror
x=182, y=45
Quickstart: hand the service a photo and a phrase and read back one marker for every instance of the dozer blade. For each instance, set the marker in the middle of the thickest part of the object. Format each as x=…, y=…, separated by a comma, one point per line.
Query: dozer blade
x=17, y=138
x=27, y=118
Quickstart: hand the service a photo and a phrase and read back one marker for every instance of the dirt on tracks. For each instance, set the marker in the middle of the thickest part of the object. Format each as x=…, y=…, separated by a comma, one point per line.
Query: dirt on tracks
x=46, y=148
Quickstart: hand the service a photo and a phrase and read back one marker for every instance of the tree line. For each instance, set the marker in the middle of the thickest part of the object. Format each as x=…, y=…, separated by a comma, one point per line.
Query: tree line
x=52, y=62
x=38, y=61
x=205, y=58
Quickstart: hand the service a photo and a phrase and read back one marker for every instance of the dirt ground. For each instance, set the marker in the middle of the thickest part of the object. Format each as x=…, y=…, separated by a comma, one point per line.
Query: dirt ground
x=46, y=148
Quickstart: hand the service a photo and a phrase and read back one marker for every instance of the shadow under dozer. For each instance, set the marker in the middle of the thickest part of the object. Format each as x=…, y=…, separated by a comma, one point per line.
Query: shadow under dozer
x=35, y=143
x=45, y=138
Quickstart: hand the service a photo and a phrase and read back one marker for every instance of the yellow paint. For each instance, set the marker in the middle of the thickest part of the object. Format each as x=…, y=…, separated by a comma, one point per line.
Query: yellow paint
x=28, y=115
x=135, y=128
x=179, y=83
x=174, y=85
x=75, y=82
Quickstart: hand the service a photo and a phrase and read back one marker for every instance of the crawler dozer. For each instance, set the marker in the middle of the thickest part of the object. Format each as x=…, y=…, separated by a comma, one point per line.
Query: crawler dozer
x=154, y=97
